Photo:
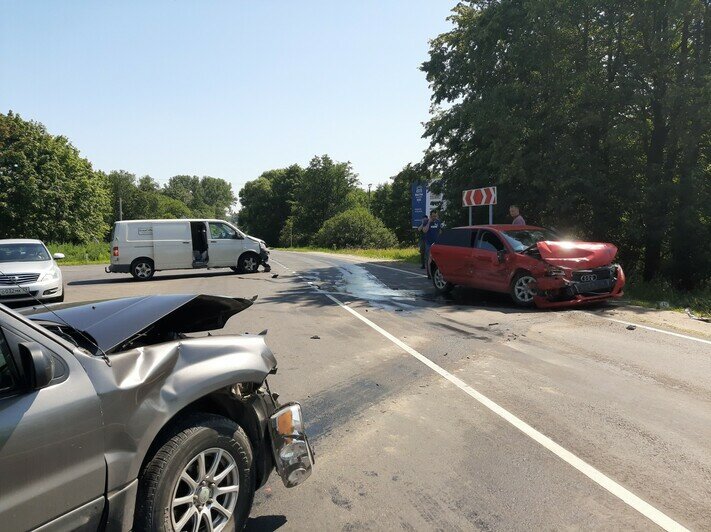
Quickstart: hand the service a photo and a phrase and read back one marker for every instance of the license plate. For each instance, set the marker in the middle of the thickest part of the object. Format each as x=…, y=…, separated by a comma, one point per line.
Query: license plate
x=594, y=286
x=12, y=291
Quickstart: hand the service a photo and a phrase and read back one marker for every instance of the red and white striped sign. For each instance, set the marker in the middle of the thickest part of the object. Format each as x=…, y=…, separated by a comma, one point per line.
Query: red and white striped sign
x=479, y=196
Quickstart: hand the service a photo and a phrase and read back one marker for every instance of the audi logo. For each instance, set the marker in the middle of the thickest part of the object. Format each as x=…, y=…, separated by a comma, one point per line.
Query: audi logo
x=588, y=277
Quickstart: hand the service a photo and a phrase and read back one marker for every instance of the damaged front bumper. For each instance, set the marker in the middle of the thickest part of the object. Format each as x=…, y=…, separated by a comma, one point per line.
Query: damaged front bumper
x=559, y=292
x=293, y=456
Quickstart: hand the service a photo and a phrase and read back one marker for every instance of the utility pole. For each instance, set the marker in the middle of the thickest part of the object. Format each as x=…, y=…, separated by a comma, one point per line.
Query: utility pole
x=120, y=209
x=369, y=185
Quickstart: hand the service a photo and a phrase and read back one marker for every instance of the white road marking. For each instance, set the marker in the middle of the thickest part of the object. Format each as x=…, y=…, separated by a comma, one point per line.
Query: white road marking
x=656, y=330
x=622, y=493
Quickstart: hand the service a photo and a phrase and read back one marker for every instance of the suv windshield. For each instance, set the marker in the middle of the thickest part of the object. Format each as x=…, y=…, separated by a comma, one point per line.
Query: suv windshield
x=23, y=253
x=521, y=239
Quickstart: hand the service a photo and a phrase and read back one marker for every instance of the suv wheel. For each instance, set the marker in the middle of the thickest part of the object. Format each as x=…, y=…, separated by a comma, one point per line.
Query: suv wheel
x=200, y=479
x=440, y=284
x=521, y=291
x=142, y=269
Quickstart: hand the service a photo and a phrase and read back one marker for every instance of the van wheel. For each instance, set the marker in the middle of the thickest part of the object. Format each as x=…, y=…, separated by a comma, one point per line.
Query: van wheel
x=441, y=285
x=142, y=269
x=202, y=478
x=248, y=263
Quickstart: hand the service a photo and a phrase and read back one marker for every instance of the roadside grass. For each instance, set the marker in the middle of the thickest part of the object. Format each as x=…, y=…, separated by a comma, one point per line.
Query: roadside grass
x=411, y=255
x=77, y=254
x=657, y=294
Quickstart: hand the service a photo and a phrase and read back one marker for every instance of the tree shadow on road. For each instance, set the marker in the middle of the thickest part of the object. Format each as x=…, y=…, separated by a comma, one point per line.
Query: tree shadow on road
x=172, y=277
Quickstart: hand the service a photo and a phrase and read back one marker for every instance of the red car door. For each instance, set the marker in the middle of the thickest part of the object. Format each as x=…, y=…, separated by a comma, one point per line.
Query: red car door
x=484, y=269
x=451, y=253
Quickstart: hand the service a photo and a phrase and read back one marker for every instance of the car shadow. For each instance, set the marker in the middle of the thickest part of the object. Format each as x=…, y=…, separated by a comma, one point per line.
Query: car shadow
x=265, y=523
x=169, y=277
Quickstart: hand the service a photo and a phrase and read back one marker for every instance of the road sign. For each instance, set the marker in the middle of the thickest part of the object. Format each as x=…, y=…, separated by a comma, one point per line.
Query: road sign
x=479, y=196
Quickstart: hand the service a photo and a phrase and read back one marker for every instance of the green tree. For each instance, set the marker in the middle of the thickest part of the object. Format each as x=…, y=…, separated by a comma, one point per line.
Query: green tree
x=47, y=190
x=323, y=192
x=355, y=228
x=208, y=197
x=593, y=116
x=267, y=202
x=392, y=202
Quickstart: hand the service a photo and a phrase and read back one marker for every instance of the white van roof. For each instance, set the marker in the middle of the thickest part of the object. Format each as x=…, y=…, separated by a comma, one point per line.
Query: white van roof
x=165, y=220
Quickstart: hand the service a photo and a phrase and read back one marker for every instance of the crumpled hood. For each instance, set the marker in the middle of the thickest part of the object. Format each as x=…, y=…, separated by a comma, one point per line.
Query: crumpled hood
x=114, y=321
x=577, y=255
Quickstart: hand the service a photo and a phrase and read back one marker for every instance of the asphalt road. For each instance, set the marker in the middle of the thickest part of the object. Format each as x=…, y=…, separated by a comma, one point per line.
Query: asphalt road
x=465, y=413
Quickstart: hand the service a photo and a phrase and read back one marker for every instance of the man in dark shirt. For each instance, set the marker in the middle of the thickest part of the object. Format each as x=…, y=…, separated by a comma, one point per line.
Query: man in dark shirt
x=432, y=231
x=421, y=237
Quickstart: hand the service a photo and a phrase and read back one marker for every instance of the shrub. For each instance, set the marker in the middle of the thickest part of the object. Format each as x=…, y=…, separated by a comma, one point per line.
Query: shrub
x=355, y=228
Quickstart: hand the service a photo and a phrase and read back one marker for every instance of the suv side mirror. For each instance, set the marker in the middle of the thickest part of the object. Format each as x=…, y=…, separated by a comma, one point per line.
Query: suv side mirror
x=501, y=256
x=37, y=366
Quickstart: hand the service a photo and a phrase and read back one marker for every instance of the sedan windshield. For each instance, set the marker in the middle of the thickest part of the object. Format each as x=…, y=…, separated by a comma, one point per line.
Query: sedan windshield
x=23, y=253
x=521, y=239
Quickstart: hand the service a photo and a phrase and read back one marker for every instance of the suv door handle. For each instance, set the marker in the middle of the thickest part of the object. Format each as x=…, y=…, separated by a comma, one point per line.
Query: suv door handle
x=184, y=242
x=213, y=241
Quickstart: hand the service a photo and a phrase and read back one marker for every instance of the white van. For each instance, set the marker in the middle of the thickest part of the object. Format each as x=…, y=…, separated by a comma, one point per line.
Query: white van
x=143, y=247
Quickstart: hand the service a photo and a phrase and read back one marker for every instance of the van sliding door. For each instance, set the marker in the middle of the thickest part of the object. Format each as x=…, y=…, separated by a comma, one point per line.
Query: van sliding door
x=172, y=245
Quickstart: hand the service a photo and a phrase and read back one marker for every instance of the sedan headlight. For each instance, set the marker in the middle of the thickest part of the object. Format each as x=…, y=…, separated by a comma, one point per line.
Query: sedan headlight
x=51, y=275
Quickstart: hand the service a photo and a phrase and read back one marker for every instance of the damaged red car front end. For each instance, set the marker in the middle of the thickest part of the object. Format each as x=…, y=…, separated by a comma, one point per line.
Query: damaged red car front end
x=575, y=273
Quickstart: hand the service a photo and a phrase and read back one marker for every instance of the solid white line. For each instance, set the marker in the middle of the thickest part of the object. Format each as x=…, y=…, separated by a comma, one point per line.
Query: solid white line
x=656, y=330
x=632, y=500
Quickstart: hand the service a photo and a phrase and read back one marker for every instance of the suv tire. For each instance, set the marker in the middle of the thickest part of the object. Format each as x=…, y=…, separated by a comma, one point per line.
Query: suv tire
x=204, y=448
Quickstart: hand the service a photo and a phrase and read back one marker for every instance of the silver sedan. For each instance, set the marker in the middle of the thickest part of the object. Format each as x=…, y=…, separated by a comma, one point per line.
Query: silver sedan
x=28, y=272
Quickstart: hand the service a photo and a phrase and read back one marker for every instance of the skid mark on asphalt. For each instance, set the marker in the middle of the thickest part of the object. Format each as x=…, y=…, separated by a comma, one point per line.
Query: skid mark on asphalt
x=622, y=493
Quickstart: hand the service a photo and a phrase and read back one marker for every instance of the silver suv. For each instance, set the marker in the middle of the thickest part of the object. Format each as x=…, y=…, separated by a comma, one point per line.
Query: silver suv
x=28, y=272
x=116, y=415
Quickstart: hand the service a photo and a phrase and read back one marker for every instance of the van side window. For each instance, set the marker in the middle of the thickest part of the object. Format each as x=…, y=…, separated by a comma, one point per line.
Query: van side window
x=220, y=231
x=490, y=242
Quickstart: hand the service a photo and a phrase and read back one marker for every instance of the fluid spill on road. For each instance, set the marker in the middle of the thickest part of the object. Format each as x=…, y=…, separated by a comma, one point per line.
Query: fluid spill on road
x=357, y=282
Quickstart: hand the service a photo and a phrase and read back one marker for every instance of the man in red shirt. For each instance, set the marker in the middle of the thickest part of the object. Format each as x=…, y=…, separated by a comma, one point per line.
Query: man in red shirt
x=516, y=215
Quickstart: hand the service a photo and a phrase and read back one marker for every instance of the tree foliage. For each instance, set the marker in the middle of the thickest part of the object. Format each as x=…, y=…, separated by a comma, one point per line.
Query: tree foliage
x=591, y=115
x=355, y=228
x=47, y=190
x=392, y=202
x=322, y=193
x=267, y=202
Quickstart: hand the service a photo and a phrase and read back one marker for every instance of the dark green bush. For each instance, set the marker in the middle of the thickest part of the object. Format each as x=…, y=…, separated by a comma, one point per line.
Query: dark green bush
x=355, y=228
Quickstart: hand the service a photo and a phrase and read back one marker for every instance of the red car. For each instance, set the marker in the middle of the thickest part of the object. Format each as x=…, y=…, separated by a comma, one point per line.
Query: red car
x=532, y=264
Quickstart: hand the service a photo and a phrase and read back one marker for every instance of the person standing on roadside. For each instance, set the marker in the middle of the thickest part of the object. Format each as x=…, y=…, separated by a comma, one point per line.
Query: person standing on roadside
x=421, y=233
x=516, y=215
x=432, y=231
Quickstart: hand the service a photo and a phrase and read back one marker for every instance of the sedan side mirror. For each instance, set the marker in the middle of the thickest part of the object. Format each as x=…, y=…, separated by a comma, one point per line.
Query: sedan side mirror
x=37, y=365
x=58, y=256
x=501, y=256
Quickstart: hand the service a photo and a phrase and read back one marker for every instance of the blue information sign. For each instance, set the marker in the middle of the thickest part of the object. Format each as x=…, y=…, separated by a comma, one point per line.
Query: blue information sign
x=419, y=203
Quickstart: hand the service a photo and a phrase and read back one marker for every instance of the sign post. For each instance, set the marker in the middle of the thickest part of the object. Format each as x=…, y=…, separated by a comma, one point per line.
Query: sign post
x=480, y=196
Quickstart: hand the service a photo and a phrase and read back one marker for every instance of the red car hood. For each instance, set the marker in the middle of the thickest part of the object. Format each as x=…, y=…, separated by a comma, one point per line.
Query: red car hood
x=577, y=255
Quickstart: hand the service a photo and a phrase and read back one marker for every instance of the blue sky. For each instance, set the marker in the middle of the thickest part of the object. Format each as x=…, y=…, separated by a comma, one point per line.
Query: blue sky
x=227, y=89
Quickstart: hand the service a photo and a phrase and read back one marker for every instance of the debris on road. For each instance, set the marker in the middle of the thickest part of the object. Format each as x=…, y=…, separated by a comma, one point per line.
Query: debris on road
x=315, y=337
x=695, y=317
x=631, y=327
x=275, y=276
x=492, y=324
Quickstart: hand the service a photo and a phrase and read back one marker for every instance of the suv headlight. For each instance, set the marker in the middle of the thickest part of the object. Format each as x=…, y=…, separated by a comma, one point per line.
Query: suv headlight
x=51, y=275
